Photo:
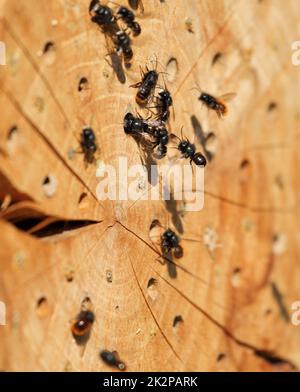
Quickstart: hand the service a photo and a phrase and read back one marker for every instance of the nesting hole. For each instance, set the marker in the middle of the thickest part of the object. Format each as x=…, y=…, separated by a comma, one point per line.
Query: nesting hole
x=155, y=231
x=109, y=276
x=279, y=244
x=49, y=185
x=172, y=69
x=42, y=307
x=221, y=357
x=244, y=164
x=86, y=303
x=134, y=4
x=236, y=277
x=12, y=132
x=151, y=282
x=177, y=320
x=83, y=84
x=151, y=289
x=272, y=106
x=216, y=58
x=83, y=201
x=49, y=45
x=49, y=52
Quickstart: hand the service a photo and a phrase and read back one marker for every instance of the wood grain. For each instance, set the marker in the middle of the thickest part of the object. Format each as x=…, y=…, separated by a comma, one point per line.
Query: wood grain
x=232, y=320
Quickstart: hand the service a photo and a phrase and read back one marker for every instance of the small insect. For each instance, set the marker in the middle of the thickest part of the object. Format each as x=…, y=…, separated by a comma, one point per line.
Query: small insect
x=88, y=144
x=216, y=104
x=146, y=86
x=164, y=103
x=134, y=125
x=112, y=359
x=123, y=45
x=161, y=139
x=128, y=17
x=188, y=150
x=81, y=327
x=170, y=241
x=101, y=14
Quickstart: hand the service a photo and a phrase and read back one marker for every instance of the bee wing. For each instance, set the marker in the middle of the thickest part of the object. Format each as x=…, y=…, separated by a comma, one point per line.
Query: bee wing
x=227, y=97
x=110, y=44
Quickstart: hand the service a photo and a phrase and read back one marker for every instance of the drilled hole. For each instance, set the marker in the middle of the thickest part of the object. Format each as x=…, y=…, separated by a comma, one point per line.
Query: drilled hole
x=177, y=320
x=172, y=69
x=220, y=357
x=216, y=58
x=155, y=231
x=48, y=46
x=134, y=4
x=272, y=106
x=279, y=243
x=236, y=277
x=83, y=200
x=83, y=84
x=151, y=282
x=244, y=164
x=268, y=312
x=11, y=132
x=49, y=185
x=49, y=53
x=42, y=307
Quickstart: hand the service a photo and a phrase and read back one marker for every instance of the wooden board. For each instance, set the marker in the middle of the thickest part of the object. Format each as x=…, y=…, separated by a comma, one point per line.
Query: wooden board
x=236, y=283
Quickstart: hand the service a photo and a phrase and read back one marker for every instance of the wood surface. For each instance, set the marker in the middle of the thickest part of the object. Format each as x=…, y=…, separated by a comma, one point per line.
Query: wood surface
x=236, y=283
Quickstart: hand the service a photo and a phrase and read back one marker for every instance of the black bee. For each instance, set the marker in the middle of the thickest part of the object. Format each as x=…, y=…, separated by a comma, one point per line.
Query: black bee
x=129, y=18
x=146, y=86
x=88, y=144
x=161, y=139
x=164, y=102
x=123, y=45
x=216, y=104
x=101, y=14
x=134, y=125
x=112, y=359
x=82, y=325
x=188, y=150
x=170, y=241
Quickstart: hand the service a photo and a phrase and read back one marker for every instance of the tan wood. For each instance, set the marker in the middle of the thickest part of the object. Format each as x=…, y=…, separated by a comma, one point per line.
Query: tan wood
x=246, y=238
